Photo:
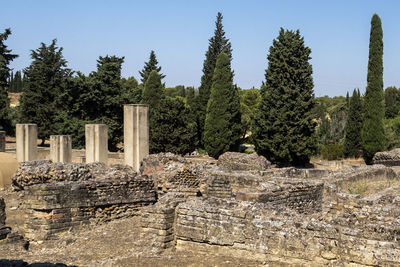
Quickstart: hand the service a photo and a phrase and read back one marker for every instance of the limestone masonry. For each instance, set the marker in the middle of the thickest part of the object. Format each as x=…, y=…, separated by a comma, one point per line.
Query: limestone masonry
x=238, y=206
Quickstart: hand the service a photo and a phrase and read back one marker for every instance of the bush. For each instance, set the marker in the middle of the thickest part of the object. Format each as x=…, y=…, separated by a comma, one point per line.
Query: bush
x=332, y=151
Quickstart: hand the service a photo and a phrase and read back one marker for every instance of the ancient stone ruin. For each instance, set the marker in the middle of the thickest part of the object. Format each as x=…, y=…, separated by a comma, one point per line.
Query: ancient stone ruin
x=238, y=206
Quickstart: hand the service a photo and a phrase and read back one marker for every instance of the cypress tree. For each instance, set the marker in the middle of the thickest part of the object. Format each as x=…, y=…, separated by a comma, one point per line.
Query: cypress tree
x=352, y=141
x=283, y=129
x=149, y=67
x=153, y=90
x=5, y=58
x=44, y=78
x=217, y=44
x=18, y=82
x=222, y=124
x=373, y=136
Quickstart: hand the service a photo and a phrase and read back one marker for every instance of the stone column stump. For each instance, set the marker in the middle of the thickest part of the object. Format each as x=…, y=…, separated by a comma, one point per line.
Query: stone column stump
x=60, y=148
x=26, y=138
x=96, y=136
x=136, y=134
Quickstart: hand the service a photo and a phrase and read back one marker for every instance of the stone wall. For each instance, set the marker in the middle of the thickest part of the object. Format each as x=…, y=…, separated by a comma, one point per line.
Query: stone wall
x=2, y=141
x=4, y=231
x=300, y=195
x=158, y=221
x=388, y=158
x=350, y=235
x=60, y=196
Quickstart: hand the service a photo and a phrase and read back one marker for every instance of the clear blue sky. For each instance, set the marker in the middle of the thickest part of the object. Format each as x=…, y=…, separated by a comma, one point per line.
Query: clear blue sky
x=178, y=31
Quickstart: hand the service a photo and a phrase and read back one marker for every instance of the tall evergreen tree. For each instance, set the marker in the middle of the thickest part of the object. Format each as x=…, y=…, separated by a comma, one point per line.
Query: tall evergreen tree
x=217, y=44
x=149, y=67
x=44, y=78
x=17, y=82
x=5, y=59
x=373, y=135
x=153, y=90
x=222, y=128
x=352, y=141
x=284, y=128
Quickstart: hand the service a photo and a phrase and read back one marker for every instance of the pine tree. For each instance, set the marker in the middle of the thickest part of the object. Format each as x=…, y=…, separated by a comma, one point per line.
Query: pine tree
x=222, y=129
x=149, y=67
x=352, y=141
x=5, y=58
x=373, y=136
x=44, y=78
x=284, y=128
x=217, y=44
x=107, y=94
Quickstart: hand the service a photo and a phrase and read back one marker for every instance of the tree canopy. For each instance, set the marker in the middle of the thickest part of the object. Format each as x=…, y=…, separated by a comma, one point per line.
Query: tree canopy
x=284, y=128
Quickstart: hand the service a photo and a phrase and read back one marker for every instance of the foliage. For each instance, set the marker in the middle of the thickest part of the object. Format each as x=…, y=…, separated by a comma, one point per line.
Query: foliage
x=176, y=91
x=324, y=131
x=392, y=102
x=96, y=98
x=373, y=136
x=5, y=59
x=44, y=78
x=392, y=133
x=284, y=124
x=333, y=151
x=222, y=125
x=249, y=100
x=153, y=90
x=149, y=67
x=217, y=44
x=171, y=127
x=352, y=141
x=15, y=82
x=131, y=90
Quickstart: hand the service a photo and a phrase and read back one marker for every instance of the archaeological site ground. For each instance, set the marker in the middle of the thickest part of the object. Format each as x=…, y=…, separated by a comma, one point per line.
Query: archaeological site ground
x=194, y=210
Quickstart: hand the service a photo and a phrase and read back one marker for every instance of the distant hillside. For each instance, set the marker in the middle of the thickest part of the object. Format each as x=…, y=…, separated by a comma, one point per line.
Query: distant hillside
x=14, y=99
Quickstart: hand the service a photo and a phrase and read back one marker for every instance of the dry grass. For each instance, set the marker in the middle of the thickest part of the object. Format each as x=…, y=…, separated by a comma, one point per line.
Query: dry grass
x=366, y=187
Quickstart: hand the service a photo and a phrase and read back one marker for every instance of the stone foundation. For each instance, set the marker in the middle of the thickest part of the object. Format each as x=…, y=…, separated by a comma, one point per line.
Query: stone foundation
x=350, y=234
x=58, y=197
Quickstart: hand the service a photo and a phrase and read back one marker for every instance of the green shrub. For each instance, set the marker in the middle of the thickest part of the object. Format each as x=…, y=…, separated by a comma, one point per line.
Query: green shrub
x=333, y=151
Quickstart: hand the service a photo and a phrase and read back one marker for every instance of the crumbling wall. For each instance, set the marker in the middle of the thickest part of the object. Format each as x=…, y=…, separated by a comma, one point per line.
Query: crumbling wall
x=258, y=230
x=158, y=221
x=300, y=195
x=59, y=196
x=388, y=158
x=4, y=231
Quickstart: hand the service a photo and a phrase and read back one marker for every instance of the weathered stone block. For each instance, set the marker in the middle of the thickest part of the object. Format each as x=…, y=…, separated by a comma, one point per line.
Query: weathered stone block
x=243, y=162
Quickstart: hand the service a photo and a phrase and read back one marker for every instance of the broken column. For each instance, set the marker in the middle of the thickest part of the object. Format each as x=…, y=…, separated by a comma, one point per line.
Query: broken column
x=60, y=148
x=96, y=136
x=2, y=141
x=26, y=139
x=136, y=134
